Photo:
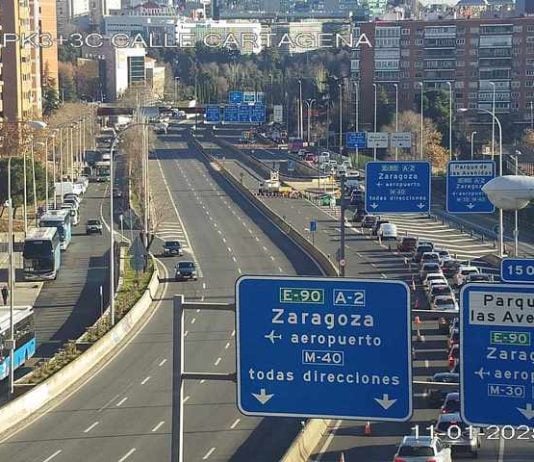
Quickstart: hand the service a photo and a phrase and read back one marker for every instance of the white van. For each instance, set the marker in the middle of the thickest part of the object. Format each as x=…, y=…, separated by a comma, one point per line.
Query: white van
x=324, y=157
x=460, y=278
x=388, y=231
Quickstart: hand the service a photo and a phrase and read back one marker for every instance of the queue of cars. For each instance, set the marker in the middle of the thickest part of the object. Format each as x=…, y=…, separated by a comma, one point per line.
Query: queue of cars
x=441, y=276
x=183, y=270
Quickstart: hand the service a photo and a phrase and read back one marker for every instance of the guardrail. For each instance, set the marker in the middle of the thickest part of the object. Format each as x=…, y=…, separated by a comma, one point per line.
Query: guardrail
x=25, y=407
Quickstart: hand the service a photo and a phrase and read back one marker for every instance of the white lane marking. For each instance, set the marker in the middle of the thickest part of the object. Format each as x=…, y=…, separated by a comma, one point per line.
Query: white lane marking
x=186, y=399
x=49, y=458
x=163, y=361
x=427, y=364
x=201, y=299
x=186, y=333
x=188, y=241
x=202, y=381
x=280, y=269
x=208, y=454
x=203, y=285
x=234, y=259
x=257, y=238
x=90, y=427
x=122, y=401
x=265, y=248
x=501, y=450
x=233, y=333
x=193, y=320
x=328, y=441
x=227, y=346
x=235, y=423
x=229, y=249
x=156, y=428
x=145, y=380
x=198, y=310
x=128, y=454
x=219, y=359
x=239, y=271
x=219, y=231
x=381, y=274
x=224, y=240
x=272, y=258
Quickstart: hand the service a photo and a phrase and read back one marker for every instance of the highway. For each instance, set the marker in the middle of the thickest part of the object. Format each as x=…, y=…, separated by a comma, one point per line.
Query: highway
x=123, y=412
x=367, y=258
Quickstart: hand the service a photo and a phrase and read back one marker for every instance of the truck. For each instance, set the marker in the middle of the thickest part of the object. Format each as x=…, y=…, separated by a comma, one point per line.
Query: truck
x=273, y=186
x=67, y=187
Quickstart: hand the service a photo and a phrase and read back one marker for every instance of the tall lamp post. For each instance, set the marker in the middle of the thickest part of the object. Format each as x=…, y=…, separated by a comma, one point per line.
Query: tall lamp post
x=501, y=215
x=421, y=154
x=176, y=89
x=473, y=144
x=396, y=85
x=493, y=122
x=515, y=156
x=357, y=115
x=309, y=103
x=340, y=85
x=374, y=124
x=11, y=282
x=450, y=119
x=301, y=125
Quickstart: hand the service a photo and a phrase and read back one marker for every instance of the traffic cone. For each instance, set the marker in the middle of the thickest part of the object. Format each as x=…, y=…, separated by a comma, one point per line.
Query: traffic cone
x=367, y=429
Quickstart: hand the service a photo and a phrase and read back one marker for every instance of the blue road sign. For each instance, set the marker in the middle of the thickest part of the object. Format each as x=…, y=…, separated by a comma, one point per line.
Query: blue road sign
x=235, y=97
x=231, y=113
x=317, y=347
x=258, y=113
x=496, y=353
x=213, y=113
x=465, y=179
x=313, y=226
x=517, y=270
x=355, y=140
x=397, y=187
x=244, y=113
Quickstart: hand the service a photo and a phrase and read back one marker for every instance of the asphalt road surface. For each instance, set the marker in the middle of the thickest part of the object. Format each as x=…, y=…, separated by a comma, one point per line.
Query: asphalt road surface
x=123, y=413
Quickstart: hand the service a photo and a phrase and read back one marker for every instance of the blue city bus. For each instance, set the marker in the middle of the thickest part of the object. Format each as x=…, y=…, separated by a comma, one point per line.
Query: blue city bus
x=23, y=321
x=61, y=220
x=41, y=254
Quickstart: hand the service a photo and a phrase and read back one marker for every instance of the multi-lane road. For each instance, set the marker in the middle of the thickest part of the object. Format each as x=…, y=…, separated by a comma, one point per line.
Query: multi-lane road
x=123, y=413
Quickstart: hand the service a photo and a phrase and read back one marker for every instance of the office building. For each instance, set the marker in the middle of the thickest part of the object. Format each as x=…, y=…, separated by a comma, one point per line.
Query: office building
x=49, y=54
x=155, y=77
x=479, y=57
x=16, y=62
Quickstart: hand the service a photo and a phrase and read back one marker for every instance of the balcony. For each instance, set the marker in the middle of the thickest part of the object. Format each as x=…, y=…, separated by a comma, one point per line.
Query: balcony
x=440, y=43
x=493, y=63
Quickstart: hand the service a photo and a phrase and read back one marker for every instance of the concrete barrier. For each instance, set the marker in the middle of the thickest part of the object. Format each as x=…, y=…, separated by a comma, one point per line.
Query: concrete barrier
x=17, y=411
x=302, y=447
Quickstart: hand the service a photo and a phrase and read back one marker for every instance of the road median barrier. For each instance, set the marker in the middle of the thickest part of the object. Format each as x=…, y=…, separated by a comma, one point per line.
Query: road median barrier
x=304, y=444
x=53, y=378
x=320, y=258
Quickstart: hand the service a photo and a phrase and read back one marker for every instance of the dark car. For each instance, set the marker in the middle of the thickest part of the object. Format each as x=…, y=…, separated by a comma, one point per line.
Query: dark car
x=117, y=192
x=359, y=215
x=436, y=396
x=185, y=270
x=171, y=248
x=93, y=226
x=450, y=267
x=369, y=221
x=460, y=437
x=407, y=244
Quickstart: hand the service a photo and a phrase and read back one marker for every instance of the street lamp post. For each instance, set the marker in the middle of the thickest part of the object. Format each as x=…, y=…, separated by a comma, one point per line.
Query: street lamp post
x=422, y=120
x=309, y=103
x=516, y=212
x=493, y=122
x=473, y=144
x=301, y=125
x=340, y=85
x=11, y=283
x=501, y=214
x=176, y=89
x=450, y=119
x=357, y=115
x=532, y=115
x=396, y=85
x=374, y=125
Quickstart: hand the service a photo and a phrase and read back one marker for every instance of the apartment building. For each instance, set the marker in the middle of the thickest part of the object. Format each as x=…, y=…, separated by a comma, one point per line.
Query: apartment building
x=477, y=56
x=49, y=54
x=18, y=102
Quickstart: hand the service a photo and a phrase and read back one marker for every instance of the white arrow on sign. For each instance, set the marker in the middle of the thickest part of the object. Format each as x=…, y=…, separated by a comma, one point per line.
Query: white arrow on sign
x=262, y=397
x=385, y=402
x=420, y=205
x=470, y=206
x=374, y=205
x=528, y=412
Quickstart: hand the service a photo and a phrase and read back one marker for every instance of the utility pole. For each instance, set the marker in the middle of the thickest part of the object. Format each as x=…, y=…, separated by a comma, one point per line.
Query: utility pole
x=340, y=84
x=11, y=282
x=342, y=262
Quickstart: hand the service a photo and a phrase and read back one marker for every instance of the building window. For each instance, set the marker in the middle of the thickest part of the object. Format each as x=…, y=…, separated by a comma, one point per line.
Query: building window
x=529, y=83
x=405, y=53
x=405, y=86
x=518, y=29
x=516, y=84
x=530, y=28
x=529, y=72
x=405, y=31
x=458, y=84
x=460, y=42
x=418, y=42
x=405, y=43
x=473, y=30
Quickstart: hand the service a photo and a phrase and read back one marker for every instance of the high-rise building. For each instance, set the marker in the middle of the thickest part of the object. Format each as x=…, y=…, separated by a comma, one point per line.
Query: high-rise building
x=49, y=54
x=479, y=57
x=35, y=58
x=18, y=102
